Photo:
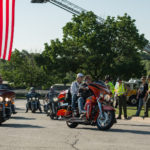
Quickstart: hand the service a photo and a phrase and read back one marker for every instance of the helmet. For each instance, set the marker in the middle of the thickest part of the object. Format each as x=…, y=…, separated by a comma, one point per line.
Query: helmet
x=79, y=75
x=32, y=89
x=107, y=77
x=52, y=87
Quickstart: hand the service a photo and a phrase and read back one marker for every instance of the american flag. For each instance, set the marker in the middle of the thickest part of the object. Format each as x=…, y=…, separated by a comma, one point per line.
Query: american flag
x=7, y=14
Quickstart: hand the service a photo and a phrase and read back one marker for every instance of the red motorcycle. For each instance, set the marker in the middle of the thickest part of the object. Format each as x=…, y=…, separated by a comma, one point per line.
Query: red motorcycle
x=99, y=111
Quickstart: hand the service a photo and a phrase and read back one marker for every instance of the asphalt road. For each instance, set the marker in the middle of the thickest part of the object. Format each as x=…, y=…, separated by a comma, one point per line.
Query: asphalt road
x=27, y=131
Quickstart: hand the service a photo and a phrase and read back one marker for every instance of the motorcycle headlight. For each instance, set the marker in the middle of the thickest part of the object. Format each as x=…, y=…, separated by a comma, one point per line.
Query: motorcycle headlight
x=34, y=98
x=107, y=97
x=7, y=99
x=55, y=99
x=1, y=99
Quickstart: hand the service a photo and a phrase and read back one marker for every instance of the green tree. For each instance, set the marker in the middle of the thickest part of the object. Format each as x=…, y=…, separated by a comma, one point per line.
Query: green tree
x=108, y=48
x=22, y=70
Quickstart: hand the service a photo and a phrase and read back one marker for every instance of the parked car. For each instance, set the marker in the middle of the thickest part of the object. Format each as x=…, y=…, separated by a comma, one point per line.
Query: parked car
x=132, y=85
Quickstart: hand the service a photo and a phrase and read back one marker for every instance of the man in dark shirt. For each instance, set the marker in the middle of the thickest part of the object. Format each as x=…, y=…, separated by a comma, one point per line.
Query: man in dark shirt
x=141, y=94
x=147, y=99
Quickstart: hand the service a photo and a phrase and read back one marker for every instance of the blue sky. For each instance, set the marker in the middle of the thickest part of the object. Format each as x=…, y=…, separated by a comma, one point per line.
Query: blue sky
x=36, y=24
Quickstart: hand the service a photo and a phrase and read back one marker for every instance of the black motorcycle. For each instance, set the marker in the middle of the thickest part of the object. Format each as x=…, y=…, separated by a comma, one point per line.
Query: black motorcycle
x=5, y=109
x=33, y=103
x=51, y=106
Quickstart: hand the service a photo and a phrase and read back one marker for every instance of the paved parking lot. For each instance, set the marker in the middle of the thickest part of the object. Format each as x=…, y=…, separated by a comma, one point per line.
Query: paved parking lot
x=27, y=131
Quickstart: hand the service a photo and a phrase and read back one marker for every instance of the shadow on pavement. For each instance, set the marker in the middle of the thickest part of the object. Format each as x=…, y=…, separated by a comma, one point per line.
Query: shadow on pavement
x=20, y=108
x=130, y=131
x=118, y=130
x=20, y=126
x=22, y=118
x=140, y=125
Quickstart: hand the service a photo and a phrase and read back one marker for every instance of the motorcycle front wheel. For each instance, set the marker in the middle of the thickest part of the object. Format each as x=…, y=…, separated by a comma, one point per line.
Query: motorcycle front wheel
x=107, y=121
x=1, y=118
x=51, y=115
x=33, y=109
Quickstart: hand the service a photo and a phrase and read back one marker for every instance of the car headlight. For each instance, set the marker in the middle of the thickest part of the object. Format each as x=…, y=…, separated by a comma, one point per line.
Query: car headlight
x=1, y=99
x=7, y=99
x=107, y=97
x=55, y=99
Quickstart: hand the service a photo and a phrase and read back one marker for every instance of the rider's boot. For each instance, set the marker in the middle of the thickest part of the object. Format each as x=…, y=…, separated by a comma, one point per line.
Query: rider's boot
x=40, y=109
x=26, y=110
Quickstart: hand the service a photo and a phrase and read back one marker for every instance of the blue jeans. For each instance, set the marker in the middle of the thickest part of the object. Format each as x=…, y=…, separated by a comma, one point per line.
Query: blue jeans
x=73, y=101
x=80, y=104
x=140, y=106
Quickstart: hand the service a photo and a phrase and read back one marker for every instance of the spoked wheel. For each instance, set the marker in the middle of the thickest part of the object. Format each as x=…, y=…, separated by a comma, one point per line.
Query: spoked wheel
x=107, y=121
x=71, y=124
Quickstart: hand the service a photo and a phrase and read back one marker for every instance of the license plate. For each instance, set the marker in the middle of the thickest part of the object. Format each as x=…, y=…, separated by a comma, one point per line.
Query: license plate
x=63, y=104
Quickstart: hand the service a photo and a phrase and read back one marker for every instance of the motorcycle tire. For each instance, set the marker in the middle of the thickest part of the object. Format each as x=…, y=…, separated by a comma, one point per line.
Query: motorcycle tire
x=33, y=109
x=8, y=113
x=1, y=118
x=71, y=124
x=107, y=122
x=51, y=115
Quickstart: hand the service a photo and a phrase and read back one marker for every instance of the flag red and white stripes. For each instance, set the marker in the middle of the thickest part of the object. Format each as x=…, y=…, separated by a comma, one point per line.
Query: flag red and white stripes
x=7, y=15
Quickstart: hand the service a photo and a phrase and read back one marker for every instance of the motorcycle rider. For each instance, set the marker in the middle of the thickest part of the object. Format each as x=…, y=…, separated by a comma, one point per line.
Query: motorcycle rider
x=32, y=92
x=50, y=95
x=74, y=89
x=84, y=93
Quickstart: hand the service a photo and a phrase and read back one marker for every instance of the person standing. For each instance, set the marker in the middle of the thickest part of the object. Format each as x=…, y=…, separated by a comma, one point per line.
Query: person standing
x=121, y=95
x=109, y=84
x=141, y=95
x=147, y=99
x=115, y=95
x=75, y=88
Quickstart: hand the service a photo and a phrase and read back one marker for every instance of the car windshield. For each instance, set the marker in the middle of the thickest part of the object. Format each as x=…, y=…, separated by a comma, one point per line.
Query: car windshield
x=5, y=87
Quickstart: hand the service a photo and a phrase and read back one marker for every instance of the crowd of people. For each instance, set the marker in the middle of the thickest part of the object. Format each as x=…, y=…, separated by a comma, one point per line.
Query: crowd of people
x=79, y=92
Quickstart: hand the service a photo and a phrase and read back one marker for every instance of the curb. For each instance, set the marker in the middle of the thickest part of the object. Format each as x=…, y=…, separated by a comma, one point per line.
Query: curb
x=137, y=119
x=140, y=119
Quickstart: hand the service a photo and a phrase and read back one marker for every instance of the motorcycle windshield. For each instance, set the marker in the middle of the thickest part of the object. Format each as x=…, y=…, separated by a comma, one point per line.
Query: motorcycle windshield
x=97, y=88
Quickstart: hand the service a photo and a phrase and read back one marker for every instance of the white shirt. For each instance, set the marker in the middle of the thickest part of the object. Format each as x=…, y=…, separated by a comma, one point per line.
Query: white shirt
x=74, y=87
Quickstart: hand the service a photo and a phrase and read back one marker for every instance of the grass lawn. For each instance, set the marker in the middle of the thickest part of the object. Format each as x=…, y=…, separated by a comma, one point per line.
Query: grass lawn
x=131, y=110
